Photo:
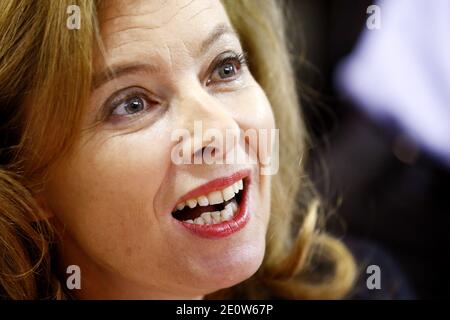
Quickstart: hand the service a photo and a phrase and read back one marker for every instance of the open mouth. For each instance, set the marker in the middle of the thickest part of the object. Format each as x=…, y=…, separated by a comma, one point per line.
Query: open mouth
x=212, y=208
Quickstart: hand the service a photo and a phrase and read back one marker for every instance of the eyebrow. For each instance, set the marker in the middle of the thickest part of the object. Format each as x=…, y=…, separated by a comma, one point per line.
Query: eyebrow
x=117, y=71
x=219, y=31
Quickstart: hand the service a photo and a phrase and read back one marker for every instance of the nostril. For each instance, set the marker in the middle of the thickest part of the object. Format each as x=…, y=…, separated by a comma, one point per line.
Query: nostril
x=206, y=152
x=211, y=151
x=198, y=155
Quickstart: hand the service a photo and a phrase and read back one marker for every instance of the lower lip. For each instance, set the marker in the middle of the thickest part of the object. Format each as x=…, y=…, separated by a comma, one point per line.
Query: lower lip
x=226, y=228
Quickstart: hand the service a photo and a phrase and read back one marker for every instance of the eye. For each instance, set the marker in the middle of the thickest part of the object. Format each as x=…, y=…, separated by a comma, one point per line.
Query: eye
x=227, y=68
x=226, y=71
x=130, y=106
x=129, y=102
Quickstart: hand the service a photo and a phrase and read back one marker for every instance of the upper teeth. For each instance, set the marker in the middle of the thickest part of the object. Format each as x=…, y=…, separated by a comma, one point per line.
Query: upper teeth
x=217, y=216
x=214, y=197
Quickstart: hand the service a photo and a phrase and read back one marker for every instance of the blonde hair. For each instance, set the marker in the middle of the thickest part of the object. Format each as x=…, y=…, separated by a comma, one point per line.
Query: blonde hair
x=44, y=63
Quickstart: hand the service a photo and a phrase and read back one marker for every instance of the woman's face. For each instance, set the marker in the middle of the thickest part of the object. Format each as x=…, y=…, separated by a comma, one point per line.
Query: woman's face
x=178, y=65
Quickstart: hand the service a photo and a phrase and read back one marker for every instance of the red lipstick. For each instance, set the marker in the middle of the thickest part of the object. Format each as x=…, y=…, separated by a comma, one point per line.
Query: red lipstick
x=225, y=228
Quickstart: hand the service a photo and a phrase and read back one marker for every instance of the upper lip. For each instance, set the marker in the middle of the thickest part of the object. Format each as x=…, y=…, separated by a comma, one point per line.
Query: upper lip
x=214, y=185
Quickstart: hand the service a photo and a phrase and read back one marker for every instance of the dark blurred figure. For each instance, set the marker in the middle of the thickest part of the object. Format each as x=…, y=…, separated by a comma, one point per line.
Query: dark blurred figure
x=385, y=187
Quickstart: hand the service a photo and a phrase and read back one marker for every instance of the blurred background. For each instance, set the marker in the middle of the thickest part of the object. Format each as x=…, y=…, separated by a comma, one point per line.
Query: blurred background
x=386, y=188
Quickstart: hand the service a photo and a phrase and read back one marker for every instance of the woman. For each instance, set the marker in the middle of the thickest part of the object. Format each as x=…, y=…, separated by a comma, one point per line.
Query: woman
x=87, y=177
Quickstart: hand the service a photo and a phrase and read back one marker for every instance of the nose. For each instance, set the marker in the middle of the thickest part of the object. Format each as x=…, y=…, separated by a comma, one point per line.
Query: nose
x=211, y=132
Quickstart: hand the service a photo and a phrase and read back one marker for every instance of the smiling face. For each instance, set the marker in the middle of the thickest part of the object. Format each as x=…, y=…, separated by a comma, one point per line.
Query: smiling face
x=175, y=63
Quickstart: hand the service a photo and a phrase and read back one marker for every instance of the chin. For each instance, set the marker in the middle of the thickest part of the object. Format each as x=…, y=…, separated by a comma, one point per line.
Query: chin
x=230, y=268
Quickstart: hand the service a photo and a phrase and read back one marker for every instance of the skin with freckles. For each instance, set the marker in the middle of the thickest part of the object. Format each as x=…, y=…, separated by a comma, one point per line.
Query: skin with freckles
x=175, y=62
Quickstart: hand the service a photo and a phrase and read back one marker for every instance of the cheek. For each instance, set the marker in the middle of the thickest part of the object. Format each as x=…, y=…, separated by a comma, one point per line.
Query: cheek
x=253, y=112
x=253, y=109
x=95, y=194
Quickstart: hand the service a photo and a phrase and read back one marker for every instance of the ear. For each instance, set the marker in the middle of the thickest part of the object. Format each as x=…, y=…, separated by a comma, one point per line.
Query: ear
x=46, y=212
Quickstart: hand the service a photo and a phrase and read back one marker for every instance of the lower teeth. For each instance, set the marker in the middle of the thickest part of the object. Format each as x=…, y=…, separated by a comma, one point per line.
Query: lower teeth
x=216, y=217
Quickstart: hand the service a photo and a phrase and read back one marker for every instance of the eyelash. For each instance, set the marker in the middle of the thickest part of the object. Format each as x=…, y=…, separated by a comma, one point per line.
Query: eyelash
x=241, y=59
x=110, y=105
x=134, y=92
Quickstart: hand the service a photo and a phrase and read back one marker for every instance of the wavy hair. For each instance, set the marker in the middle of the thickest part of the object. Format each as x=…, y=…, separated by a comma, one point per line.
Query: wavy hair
x=41, y=62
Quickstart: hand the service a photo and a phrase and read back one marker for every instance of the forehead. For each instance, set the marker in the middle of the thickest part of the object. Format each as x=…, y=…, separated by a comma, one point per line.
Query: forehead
x=131, y=26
